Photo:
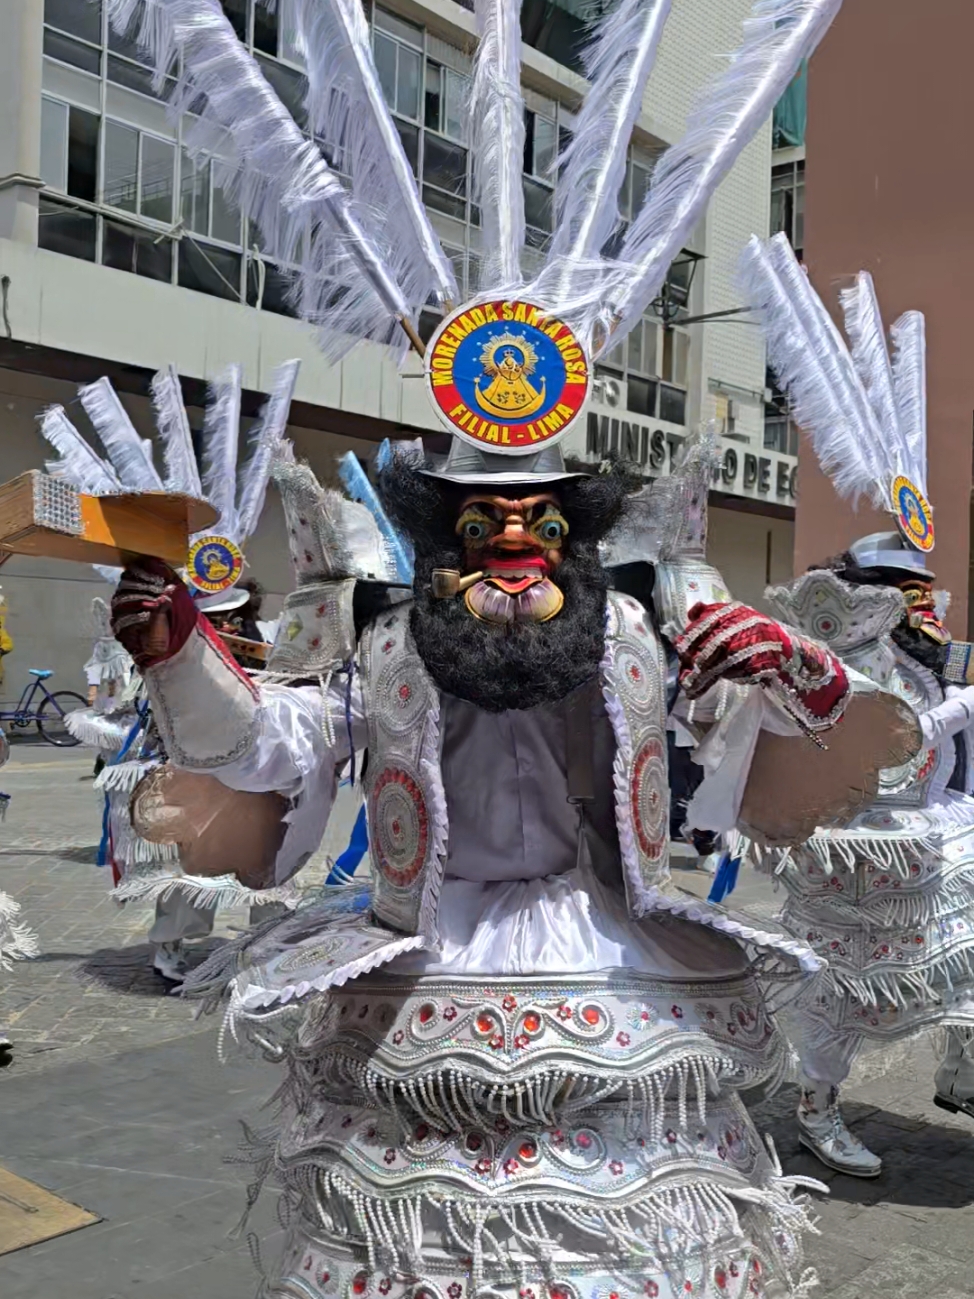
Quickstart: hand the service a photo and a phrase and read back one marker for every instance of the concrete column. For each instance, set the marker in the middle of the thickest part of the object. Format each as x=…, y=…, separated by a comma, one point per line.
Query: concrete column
x=21, y=56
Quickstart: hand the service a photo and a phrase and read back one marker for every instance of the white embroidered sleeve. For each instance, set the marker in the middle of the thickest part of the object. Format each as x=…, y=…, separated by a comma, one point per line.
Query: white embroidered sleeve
x=955, y=714
x=726, y=754
x=302, y=742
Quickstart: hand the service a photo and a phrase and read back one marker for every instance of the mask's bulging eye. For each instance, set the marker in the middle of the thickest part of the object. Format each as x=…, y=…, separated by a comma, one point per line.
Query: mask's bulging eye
x=475, y=528
x=551, y=529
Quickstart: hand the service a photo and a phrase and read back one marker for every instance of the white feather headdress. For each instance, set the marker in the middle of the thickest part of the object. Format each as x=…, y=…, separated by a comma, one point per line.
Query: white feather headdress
x=128, y=465
x=864, y=412
x=365, y=257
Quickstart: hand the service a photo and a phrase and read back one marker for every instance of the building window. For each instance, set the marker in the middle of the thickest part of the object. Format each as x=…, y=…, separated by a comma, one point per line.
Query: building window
x=127, y=248
x=540, y=155
x=209, y=269
x=780, y=430
x=559, y=28
x=54, y=144
x=653, y=360
x=68, y=230
x=788, y=204
x=204, y=208
x=139, y=172
x=73, y=33
x=426, y=96
x=275, y=32
x=141, y=204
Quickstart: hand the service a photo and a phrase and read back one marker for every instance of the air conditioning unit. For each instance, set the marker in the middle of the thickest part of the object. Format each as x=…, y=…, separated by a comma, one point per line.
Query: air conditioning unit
x=612, y=391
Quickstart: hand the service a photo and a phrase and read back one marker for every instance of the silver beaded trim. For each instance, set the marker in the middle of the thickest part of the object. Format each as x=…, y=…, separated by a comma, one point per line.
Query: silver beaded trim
x=56, y=505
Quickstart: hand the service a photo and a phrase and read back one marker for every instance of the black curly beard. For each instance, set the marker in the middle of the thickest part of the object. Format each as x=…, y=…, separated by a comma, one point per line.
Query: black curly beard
x=520, y=665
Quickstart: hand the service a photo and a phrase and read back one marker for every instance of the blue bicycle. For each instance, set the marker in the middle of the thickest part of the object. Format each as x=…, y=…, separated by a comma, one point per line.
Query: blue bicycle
x=49, y=715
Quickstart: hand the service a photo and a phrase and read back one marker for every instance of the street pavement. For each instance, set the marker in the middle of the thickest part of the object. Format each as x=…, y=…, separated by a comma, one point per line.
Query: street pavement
x=116, y=1099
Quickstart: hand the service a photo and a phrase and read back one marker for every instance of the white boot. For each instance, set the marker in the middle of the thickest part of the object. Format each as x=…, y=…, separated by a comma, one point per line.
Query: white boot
x=954, y=1080
x=169, y=962
x=822, y=1130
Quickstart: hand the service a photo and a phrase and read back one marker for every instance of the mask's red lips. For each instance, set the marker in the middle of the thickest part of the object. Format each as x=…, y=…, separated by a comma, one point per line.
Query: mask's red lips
x=496, y=563
x=513, y=586
x=514, y=573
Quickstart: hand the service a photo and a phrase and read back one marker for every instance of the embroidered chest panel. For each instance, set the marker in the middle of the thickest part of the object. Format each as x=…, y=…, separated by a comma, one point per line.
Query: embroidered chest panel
x=404, y=789
x=634, y=686
x=909, y=785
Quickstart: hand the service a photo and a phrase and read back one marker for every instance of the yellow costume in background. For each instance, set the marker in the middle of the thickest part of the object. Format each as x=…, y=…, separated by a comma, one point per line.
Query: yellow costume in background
x=6, y=640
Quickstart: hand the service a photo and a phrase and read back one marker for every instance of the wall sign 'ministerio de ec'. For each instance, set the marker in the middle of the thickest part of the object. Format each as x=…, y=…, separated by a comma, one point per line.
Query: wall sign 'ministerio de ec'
x=506, y=375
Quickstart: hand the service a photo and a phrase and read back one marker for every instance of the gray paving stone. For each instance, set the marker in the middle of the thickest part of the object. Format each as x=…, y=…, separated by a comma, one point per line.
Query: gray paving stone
x=907, y=1272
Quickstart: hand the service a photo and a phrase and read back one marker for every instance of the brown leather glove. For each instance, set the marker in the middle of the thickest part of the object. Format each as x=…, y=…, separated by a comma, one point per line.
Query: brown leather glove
x=153, y=612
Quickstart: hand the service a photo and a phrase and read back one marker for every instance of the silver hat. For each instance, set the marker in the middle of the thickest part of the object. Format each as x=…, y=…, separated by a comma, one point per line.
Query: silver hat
x=889, y=550
x=235, y=597
x=470, y=464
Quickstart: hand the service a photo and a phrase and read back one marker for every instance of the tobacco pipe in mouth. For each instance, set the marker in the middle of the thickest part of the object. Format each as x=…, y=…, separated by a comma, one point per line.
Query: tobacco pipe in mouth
x=447, y=583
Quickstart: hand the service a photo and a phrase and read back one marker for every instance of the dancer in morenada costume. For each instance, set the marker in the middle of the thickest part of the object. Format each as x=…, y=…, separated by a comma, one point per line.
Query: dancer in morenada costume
x=119, y=723
x=17, y=941
x=513, y=1060
x=888, y=898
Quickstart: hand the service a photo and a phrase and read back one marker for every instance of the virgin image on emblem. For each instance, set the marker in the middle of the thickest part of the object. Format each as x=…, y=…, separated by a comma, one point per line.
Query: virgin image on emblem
x=508, y=361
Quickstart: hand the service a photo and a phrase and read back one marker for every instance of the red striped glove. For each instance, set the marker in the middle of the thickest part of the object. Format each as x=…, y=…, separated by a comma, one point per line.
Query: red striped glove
x=153, y=612
x=736, y=643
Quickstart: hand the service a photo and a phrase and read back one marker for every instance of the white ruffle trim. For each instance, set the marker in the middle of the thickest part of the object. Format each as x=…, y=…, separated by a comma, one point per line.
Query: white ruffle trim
x=122, y=777
x=115, y=667
x=17, y=941
x=200, y=890
x=252, y=999
x=97, y=730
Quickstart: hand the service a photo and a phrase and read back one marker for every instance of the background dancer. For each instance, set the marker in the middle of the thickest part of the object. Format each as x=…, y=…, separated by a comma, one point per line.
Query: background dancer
x=17, y=942
x=888, y=899
x=119, y=723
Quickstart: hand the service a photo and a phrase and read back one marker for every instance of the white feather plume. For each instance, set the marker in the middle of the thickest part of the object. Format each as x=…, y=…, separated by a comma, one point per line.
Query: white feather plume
x=909, y=339
x=101, y=618
x=825, y=334
x=276, y=175
x=126, y=450
x=870, y=354
x=496, y=125
x=221, y=433
x=79, y=465
x=265, y=442
x=347, y=109
x=805, y=357
x=617, y=63
x=172, y=423
x=777, y=37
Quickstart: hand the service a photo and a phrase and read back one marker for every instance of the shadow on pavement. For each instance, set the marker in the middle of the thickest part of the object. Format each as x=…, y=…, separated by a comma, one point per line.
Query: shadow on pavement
x=129, y=969
x=84, y=856
x=925, y=1163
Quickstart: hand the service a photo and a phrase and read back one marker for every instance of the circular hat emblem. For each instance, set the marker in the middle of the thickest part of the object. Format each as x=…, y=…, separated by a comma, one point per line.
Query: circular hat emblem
x=913, y=514
x=507, y=376
x=214, y=564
